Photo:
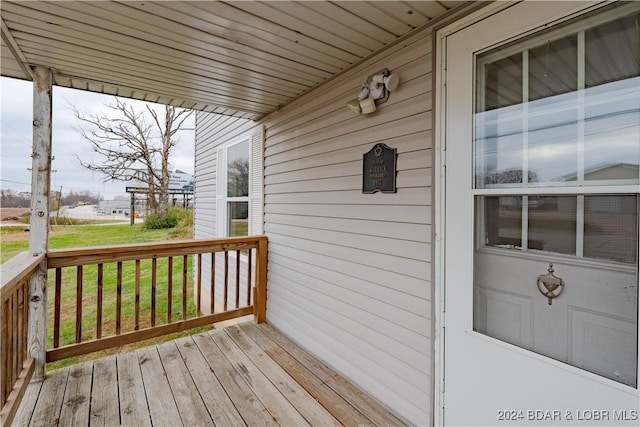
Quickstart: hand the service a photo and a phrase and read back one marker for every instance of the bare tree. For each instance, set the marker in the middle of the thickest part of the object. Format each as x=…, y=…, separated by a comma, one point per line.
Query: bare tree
x=129, y=140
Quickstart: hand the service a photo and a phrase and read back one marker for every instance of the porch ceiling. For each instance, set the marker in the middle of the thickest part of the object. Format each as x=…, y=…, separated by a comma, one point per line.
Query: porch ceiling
x=231, y=57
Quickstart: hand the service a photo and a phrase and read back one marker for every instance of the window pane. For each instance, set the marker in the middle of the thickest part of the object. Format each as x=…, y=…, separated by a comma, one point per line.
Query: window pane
x=503, y=83
x=502, y=221
x=553, y=68
x=238, y=214
x=612, y=67
x=611, y=228
x=552, y=139
x=238, y=170
x=498, y=130
x=552, y=224
x=612, y=51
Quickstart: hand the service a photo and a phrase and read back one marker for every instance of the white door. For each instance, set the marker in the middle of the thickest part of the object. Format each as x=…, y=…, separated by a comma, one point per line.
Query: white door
x=542, y=125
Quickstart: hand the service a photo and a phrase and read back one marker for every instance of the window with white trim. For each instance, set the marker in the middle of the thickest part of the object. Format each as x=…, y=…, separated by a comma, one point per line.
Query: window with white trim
x=239, y=182
x=237, y=188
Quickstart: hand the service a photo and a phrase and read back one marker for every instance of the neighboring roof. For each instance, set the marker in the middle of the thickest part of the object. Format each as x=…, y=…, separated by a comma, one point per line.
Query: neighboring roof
x=241, y=58
x=606, y=170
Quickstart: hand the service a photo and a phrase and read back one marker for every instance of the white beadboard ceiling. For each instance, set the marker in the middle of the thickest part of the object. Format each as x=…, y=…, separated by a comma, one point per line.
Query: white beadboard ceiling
x=241, y=58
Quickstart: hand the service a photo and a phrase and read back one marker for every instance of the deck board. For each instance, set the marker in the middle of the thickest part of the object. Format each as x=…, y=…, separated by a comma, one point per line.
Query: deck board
x=25, y=411
x=308, y=407
x=278, y=406
x=245, y=400
x=49, y=405
x=318, y=389
x=247, y=375
x=185, y=393
x=377, y=414
x=133, y=400
x=162, y=407
x=222, y=410
x=75, y=404
x=105, y=408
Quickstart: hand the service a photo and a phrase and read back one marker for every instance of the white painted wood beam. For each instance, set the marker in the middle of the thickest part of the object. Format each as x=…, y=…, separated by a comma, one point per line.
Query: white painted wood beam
x=16, y=51
x=39, y=226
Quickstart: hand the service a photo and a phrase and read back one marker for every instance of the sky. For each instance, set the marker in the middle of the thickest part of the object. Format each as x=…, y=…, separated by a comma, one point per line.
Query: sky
x=16, y=133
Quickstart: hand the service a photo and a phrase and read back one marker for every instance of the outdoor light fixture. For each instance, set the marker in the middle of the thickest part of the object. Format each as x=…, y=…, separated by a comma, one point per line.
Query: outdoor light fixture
x=374, y=92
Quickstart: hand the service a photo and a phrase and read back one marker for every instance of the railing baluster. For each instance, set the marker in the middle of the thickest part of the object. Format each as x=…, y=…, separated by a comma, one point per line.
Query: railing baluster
x=99, y=308
x=5, y=355
x=212, y=288
x=249, y=256
x=226, y=280
x=25, y=314
x=119, y=297
x=169, y=287
x=14, y=316
x=185, y=259
x=237, y=279
x=199, y=287
x=79, y=304
x=20, y=325
x=154, y=265
x=137, y=300
x=56, y=309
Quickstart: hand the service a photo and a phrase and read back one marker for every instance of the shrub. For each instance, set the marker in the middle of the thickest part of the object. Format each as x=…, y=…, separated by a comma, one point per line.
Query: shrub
x=184, y=229
x=168, y=219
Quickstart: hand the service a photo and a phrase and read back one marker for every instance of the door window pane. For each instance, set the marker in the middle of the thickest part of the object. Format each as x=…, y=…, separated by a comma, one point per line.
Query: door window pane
x=552, y=224
x=612, y=97
x=553, y=68
x=611, y=228
x=502, y=221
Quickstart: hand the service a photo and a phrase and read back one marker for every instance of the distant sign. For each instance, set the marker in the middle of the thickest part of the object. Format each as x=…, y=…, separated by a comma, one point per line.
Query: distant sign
x=144, y=190
x=379, y=170
x=179, y=182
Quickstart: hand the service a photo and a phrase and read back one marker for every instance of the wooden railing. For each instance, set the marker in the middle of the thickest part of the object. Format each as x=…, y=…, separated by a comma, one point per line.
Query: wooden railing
x=105, y=297
x=16, y=367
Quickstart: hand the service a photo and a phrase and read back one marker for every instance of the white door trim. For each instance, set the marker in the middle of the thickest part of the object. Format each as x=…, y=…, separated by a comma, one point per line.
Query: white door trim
x=439, y=195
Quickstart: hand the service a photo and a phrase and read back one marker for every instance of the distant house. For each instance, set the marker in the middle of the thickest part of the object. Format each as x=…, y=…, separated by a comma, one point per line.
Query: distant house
x=114, y=207
x=607, y=172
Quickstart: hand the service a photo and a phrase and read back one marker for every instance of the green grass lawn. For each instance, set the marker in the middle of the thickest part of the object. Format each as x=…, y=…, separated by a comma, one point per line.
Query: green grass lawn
x=15, y=241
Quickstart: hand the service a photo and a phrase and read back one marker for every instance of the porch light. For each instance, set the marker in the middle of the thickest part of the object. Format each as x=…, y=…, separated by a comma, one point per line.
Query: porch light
x=374, y=92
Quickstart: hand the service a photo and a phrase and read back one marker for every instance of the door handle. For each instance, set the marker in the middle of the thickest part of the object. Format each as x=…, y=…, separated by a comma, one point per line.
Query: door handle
x=550, y=285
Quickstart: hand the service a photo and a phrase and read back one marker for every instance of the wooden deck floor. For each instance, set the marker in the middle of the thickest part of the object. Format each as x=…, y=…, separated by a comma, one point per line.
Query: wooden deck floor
x=241, y=375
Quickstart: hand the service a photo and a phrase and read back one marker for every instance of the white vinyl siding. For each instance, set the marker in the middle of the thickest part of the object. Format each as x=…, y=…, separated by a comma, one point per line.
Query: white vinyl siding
x=350, y=273
x=213, y=133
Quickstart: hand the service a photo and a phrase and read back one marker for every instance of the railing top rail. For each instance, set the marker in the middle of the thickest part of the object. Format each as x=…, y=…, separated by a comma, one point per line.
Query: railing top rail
x=100, y=254
x=17, y=269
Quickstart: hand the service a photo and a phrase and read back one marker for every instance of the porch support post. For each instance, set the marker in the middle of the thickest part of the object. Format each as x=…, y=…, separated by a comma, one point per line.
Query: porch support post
x=260, y=292
x=39, y=226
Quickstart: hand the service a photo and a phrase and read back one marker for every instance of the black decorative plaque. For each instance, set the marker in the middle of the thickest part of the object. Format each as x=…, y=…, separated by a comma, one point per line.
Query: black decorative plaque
x=379, y=170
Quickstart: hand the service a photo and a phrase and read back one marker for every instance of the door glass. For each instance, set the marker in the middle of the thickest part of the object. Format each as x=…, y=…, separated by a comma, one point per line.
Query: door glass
x=564, y=111
x=557, y=273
